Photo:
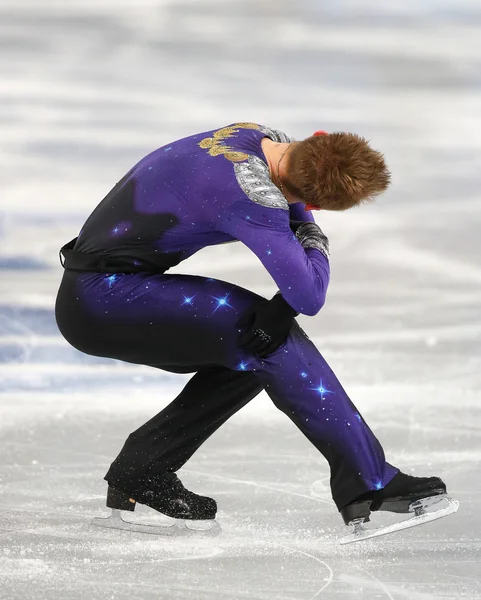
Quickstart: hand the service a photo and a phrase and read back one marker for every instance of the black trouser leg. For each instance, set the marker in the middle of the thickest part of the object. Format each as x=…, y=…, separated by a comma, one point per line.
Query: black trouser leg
x=169, y=439
x=187, y=323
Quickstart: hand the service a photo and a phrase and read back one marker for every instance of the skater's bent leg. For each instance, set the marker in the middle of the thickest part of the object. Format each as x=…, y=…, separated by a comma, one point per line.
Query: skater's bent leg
x=303, y=386
x=178, y=323
x=169, y=439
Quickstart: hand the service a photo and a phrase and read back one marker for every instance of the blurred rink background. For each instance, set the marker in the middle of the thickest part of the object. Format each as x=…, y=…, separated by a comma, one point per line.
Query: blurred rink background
x=87, y=87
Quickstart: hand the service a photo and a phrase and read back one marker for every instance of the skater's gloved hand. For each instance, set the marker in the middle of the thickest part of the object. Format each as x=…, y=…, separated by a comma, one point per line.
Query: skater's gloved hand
x=268, y=324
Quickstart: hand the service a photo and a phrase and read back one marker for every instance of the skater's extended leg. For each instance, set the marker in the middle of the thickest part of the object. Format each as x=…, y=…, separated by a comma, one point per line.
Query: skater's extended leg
x=303, y=386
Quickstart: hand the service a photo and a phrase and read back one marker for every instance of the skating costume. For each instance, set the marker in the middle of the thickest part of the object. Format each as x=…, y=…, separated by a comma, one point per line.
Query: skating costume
x=117, y=299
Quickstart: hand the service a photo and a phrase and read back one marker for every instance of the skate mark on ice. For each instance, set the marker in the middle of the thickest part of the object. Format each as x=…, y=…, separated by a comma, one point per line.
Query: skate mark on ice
x=45, y=533
x=259, y=485
x=399, y=253
x=380, y=583
x=27, y=342
x=320, y=496
x=445, y=333
x=322, y=562
x=214, y=552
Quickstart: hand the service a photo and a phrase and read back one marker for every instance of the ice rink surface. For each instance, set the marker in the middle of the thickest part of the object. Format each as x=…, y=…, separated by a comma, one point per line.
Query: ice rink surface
x=87, y=88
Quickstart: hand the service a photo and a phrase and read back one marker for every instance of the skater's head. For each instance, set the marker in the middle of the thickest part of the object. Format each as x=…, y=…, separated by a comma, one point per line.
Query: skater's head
x=334, y=171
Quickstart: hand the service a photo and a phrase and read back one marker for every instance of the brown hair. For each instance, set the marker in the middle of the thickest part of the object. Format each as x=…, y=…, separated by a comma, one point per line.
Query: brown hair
x=335, y=171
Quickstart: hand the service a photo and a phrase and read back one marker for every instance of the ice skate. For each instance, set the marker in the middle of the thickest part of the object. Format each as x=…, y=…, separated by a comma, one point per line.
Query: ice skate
x=189, y=513
x=425, y=497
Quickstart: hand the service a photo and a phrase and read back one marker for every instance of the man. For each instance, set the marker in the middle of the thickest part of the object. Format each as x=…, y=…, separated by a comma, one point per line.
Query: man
x=242, y=182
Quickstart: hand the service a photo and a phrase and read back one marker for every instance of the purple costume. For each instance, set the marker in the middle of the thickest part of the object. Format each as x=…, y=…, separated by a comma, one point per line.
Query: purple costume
x=117, y=300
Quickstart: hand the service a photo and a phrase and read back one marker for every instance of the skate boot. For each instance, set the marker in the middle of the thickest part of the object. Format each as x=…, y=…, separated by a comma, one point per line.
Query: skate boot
x=424, y=496
x=165, y=494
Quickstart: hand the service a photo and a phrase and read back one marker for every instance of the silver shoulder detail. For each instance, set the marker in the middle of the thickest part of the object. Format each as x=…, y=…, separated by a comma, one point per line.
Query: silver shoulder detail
x=276, y=135
x=310, y=235
x=253, y=177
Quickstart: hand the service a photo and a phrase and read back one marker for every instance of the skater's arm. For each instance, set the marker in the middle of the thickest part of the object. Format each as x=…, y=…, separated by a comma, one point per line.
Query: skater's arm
x=298, y=263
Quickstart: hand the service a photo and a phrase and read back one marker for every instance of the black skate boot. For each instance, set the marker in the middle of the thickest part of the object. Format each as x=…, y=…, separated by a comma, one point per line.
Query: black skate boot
x=403, y=490
x=165, y=494
x=398, y=495
x=403, y=494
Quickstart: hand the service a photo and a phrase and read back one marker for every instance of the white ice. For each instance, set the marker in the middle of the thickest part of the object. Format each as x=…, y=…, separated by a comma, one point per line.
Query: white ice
x=87, y=87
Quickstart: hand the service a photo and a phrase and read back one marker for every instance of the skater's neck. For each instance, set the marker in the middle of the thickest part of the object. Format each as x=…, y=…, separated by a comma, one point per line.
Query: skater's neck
x=277, y=156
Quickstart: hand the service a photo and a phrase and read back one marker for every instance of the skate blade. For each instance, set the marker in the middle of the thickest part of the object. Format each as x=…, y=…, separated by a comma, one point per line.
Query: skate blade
x=180, y=527
x=420, y=517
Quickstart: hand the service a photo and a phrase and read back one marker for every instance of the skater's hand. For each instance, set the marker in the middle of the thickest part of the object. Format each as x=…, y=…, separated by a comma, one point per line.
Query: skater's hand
x=266, y=326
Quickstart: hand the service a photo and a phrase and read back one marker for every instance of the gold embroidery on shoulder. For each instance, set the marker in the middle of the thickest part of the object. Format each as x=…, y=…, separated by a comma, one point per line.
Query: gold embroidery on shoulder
x=236, y=156
x=224, y=133
x=216, y=145
x=216, y=150
x=247, y=125
x=207, y=143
